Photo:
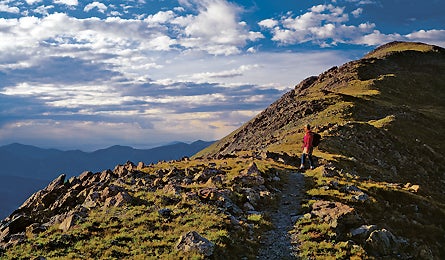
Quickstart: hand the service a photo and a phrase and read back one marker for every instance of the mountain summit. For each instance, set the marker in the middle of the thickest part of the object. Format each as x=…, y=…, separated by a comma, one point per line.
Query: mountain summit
x=376, y=191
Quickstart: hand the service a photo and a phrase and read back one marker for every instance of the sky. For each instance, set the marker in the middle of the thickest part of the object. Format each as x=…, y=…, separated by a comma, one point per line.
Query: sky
x=91, y=74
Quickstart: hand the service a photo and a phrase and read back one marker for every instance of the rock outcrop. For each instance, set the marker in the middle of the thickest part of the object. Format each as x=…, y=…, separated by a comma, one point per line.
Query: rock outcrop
x=192, y=241
x=65, y=203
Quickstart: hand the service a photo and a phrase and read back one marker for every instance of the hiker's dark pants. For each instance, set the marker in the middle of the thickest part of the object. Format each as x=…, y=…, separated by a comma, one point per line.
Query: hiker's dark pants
x=309, y=156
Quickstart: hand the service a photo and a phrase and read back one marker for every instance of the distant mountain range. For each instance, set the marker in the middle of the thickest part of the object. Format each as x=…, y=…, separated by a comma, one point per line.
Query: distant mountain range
x=26, y=169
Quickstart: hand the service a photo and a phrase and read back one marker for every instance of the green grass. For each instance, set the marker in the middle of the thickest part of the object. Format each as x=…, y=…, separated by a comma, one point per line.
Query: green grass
x=398, y=47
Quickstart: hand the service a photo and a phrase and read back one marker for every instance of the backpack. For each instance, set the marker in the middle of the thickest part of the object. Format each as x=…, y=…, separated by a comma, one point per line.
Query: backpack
x=316, y=139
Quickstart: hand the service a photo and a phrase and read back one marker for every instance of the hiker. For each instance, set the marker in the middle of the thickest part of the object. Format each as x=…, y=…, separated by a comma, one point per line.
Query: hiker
x=307, y=147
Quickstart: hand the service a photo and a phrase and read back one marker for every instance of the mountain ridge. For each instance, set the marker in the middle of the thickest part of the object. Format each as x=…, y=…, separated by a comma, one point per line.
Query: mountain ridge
x=29, y=168
x=49, y=157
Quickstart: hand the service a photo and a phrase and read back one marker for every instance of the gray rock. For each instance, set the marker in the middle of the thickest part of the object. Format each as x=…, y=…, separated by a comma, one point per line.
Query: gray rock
x=192, y=241
x=85, y=176
x=121, y=199
x=363, y=231
x=69, y=222
x=362, y=197
x=382, y=243
x=165, y=213
x=331, y=212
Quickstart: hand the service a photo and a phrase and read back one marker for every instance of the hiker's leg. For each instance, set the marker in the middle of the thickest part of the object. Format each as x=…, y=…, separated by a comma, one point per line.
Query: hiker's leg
x=311, y=162
x=303, y=155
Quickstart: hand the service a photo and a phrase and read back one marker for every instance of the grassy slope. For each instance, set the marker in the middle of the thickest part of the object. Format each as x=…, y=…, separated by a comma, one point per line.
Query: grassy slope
x=137, y=231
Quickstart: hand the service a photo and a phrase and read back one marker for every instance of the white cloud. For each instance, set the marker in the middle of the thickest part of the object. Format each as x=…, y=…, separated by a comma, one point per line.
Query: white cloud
x=216, y=29
x=268, y=23
x=161, y=17
x=357, y=12
x=100, y=7
x=67, y=96
x=67, y=2
x=206, y=76
x=43, y=9
x=377, y=38
x=31, y=2
x=436, y=37
x=4, y=7
x=324, y=25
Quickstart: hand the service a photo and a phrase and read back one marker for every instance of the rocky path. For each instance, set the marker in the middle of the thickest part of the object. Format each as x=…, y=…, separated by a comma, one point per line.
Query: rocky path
x=276, y=243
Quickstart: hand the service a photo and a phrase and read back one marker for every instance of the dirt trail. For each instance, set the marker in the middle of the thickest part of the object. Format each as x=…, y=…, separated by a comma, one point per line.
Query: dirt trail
x=276, y=243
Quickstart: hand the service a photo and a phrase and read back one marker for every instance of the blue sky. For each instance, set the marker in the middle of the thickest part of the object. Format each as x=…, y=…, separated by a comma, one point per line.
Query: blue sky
x=90, y=74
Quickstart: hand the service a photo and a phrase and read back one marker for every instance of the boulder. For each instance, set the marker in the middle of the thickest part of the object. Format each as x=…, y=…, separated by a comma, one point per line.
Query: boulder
x=215, y=180
x=106, y=175
x=14, y=224
x=34, y=229
x=15, y=239
x=361, y=197
x=192, y=241
x=57, y=183
x=363, y=231
x=252, y=170
x=69, y=199
x=85, y=176
x=121, y=199
x=208, y=193
x=110, y=191
x=382, y=243
x=165, y=213
x=69, y=222
x=331, y=212
x=140, y=166
x=92, y=200
x=120, y=170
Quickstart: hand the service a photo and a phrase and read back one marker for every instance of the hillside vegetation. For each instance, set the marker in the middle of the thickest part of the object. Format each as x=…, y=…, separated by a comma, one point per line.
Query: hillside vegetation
x=377, y=190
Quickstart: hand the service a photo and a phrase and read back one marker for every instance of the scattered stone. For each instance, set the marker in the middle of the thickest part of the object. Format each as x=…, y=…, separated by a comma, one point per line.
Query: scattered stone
x=352, y=189
x=412, y=188
x=362, y=197
x=69, y=222
x=192, y=241
x=121, y=199
x=329, y=171
x=92, y=200
x=248, y=206
x=363, y=231
x=382, y=243
x=331, y=212
x=85, y=176
x=208, y=193
x=34, y=229
x=140, y=166
x=252, y=170
x=165, y=213
x=276, y=178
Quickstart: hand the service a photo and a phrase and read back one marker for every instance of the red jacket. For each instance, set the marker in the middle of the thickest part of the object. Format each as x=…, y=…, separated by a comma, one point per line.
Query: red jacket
x=307, y=140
